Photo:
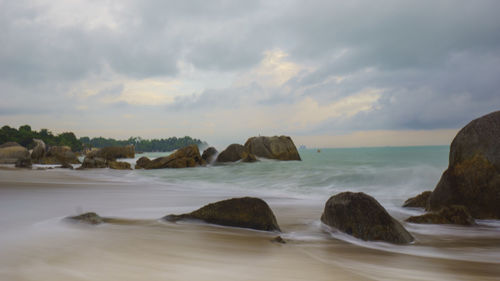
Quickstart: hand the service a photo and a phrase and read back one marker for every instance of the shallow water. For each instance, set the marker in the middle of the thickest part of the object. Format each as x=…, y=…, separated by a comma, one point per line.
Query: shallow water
x=36, y=244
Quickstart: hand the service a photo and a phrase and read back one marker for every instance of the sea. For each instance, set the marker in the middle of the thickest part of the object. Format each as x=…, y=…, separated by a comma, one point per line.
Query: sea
x=295, y=190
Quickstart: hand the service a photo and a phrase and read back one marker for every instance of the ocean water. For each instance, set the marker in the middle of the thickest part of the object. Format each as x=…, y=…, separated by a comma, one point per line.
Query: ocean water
x=37, y=244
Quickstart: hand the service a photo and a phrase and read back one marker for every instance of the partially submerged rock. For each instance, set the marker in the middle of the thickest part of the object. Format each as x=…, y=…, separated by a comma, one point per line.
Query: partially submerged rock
x=65, y=166
x=278, y=239
x=473, y=175
x=93, y=162
x=89, y=218
x=142, y=162
x=419, y=201
x=118, y=165
x=112, y=153
x=185, y=157
x=234, y=152
x=279, y=148
x=246, y=212
x=447, y=215
x=361, y=216
x=13, y=154
x=209, y=154
x=59, y=155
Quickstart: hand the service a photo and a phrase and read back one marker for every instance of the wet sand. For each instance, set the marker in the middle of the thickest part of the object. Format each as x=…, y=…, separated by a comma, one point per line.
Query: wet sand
x=37, y=244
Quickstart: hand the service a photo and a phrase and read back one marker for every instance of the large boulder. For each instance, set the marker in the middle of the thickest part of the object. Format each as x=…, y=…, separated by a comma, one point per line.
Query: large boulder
x=209, y=154
x=185, y=157
x=38, y=151
x=279, y=148
x=93, y=162
x=12, y=154
x=419, y=201
x=112, y=153
x=246, y=212
x=59, y=155
x=119, y=165
x=235, y=152
x=447, y=215
x=142, y=162
x=473, y=175
x=361, y=216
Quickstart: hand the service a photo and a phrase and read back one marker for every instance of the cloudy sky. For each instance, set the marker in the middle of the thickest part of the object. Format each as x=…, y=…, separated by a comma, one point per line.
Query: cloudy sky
x=328, y=73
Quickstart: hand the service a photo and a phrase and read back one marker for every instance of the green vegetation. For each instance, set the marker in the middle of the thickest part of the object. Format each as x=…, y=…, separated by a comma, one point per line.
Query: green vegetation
x=141, y=144
x=24, y=136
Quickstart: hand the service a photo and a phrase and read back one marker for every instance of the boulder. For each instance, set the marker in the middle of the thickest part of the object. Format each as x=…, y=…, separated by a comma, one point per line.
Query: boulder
x=279, y=148
x=9, y=144
x=89, y=218
x=234, y=152
x=38, y=151
x=59, y=155
x=24, y=163
x=11, y=154
x=419, y=201
x=185, y=157
x=209, y=154
x=118, y=165
x=142, y=162
x=361, y=216
x=246, y=212
x=112, y=153
x=93, y=162
x=473, y=175
x=447, y=215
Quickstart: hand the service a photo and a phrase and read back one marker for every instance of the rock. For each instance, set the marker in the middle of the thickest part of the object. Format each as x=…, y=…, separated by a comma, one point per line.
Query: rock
x=59, y=155
x=118, y=165
x=250, y=158
x=279, y=148
x=361, y=216
x=112, y=153
x=93, y=162
x=65, y=166
x=419, y=201
x=89, y=218
x=24, y=163
x=185, y=157
x=447, y=215
x=246, y=212
x=209, y=154
x=38, y=151
x=11, y=154
x=142, y=162
x=9, y=144
x=278, y=239
x=473, y=175
x=234, y=152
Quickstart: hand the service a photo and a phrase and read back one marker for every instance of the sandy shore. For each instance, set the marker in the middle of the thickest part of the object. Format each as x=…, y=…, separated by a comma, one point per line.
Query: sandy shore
x=38, y=245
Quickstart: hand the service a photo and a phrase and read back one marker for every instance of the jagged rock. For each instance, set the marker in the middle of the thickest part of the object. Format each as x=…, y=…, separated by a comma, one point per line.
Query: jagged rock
x=234, y=152
x=447, y=215
x=59, y=155
x=117, y=165
x=246, y=212
x=89, y=218
x=12, y=154
x=185, y=157
x=112, y=153
x=361, y=216
x=279, y=148
x=38, y=151
x=419, y=201
x=473, y=175
x=142, y=162
x=209, y=154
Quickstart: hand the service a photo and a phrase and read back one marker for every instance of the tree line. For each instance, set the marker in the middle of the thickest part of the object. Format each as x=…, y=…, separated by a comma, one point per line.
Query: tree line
x=25, y=135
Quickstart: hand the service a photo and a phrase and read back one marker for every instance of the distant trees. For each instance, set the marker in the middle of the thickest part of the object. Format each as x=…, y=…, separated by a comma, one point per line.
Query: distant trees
x=25, y=135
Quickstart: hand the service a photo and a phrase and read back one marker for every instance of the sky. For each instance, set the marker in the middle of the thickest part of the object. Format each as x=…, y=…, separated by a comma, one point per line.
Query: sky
x=327, y=73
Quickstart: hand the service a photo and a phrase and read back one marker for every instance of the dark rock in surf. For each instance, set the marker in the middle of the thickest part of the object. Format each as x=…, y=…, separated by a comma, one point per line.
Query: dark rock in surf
x=419, y=201
x=93, y=163
x=209, y=154
x=118, y=165
x=234, y=152
x=279, y=148
x=473, y=175
x=246, y=212
x=447, y=215
x=142, y=162
x=88, y=218
x=361, y=216
x=185, y=157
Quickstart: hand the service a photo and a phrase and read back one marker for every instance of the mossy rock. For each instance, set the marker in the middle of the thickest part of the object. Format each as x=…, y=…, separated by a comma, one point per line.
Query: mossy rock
x=245, y=212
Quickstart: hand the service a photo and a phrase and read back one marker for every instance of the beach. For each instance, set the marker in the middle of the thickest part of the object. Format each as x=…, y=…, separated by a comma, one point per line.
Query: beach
x=37, y=243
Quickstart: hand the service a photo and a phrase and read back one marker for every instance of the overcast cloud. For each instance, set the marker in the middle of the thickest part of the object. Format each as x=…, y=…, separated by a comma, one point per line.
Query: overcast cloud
x=226, y=70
